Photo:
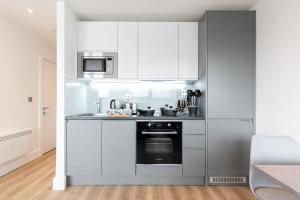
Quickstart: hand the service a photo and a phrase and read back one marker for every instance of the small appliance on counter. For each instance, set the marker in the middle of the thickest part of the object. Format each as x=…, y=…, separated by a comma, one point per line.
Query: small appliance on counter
x=116, y=104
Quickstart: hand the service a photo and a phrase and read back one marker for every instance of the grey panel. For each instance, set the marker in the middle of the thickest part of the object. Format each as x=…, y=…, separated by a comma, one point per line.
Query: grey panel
x=193, y=162
x=202, y=83
x=193, y=127
x=159, y=170
x=118, y=147
x=194, y=141
x=135, y=180
x=84, y=147
x=229, y=146
x=231, y=61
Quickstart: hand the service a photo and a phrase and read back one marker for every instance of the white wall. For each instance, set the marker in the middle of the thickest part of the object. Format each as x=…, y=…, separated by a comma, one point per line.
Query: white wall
x=66, y=59
x=278, y=67
x=19, y=67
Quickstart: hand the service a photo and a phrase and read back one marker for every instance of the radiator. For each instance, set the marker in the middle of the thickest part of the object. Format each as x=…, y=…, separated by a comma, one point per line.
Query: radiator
x=15, y=145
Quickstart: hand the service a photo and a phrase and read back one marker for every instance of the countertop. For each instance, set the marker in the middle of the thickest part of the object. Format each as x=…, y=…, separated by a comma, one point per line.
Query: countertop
x=104, y=117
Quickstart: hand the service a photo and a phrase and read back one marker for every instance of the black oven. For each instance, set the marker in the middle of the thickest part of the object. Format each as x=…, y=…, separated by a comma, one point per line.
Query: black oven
x=159, y=142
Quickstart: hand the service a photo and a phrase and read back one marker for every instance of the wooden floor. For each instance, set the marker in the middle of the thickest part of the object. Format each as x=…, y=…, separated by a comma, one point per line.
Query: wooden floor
x=34, y=181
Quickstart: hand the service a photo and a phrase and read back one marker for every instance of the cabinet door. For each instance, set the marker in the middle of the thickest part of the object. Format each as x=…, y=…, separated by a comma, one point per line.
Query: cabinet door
x=231, y=62
x=193, y=162
x=188, y=50
x=158, y=50
x=229, y=146
x=84, y=147
x=128, y=50
x=194, y=127
x=118, y=147
x=101, y=36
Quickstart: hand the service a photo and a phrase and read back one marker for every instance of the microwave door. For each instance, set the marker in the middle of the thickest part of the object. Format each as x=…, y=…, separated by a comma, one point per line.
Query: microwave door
x=94, y=65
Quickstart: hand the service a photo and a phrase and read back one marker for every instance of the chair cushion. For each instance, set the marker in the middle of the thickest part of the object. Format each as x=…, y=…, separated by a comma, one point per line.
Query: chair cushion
x=275, y=194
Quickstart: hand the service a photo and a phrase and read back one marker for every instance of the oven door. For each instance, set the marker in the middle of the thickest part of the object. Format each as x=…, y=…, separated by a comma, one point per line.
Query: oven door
x=159, y=147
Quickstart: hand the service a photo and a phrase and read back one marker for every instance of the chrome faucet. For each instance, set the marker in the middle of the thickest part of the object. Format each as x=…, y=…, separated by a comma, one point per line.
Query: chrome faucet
x=98, y=103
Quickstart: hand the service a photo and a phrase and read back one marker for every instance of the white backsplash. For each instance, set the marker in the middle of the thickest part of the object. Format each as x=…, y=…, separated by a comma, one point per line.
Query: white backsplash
x=147, y=93
x=75, y=98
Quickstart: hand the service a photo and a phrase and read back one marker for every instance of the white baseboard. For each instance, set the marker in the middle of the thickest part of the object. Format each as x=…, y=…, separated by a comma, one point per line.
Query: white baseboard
x=59, y=183
x=7, y=167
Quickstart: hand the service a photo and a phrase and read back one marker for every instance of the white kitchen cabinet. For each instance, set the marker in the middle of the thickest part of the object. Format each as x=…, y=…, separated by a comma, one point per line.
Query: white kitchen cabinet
x=100, y=36
x=158, y=51
x=128, y=50
x=188, y=50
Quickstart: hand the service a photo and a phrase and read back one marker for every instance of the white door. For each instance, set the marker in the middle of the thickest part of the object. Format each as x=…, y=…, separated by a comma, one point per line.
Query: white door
x=128, y=50
x=48, y=129
x=100, y=36
x=188, y=50
x=158, y=50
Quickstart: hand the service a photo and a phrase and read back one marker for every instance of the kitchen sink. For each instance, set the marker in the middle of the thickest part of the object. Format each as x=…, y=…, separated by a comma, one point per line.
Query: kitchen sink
x=92, y=115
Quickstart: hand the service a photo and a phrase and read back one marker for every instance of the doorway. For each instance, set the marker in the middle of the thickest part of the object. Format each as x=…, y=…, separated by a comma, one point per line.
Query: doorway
x=48, y=106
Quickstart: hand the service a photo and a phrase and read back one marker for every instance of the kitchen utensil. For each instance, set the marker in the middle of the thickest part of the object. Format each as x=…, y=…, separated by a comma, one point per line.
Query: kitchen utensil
x=194, y=101
x=146, y=112
x=181, y=104
x=197, y=93
x=171, y=112
x=193, y=111
x=134, y=110
x=189, y=92
x=116, y=104
x=162, y=110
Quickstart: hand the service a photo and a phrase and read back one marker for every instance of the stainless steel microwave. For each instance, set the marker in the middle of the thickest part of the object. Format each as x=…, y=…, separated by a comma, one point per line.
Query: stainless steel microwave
x=96, y=65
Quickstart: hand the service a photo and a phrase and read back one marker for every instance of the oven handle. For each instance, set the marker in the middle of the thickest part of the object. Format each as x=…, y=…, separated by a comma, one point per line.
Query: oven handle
x=158, y=143
x=160, y=133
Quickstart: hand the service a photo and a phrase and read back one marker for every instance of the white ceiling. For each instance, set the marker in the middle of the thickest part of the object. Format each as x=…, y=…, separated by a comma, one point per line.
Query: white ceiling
x=42, y=22
x=167, y=10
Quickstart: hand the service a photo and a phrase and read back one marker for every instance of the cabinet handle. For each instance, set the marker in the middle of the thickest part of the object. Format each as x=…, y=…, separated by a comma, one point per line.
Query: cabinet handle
x=195, y=148
x=247, y=120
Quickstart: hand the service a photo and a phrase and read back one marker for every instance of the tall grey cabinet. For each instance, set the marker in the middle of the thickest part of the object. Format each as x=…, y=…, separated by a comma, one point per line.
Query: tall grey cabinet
x=227, y=73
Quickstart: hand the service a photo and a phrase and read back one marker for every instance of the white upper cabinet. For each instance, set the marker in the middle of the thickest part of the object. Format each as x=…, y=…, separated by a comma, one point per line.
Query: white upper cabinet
x=97, y=36
x=128, y=50
x=158, y=51
x=188, y=50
